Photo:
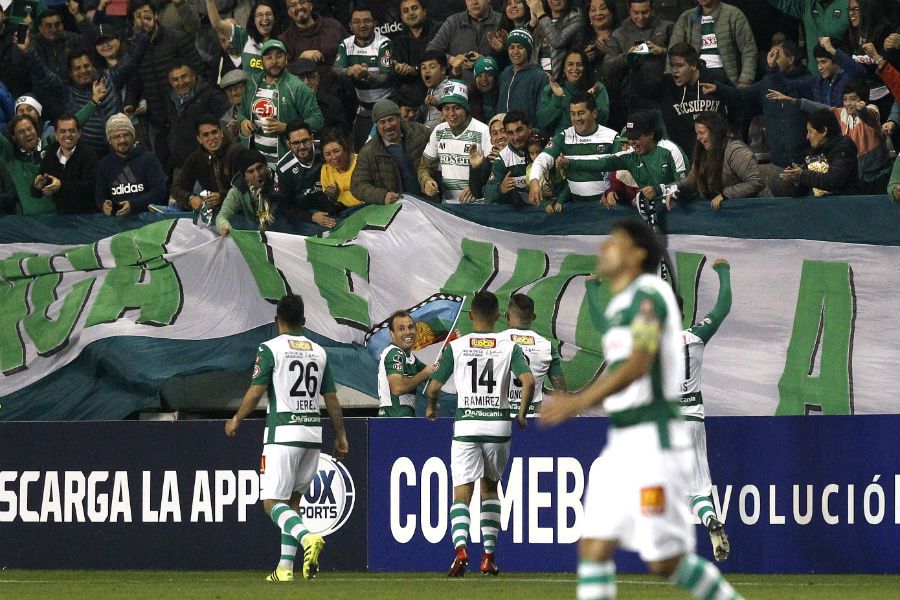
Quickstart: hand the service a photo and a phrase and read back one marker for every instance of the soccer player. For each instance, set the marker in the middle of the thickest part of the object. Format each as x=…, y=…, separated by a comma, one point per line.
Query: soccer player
x=636, y=498
x=480, y=364
x=399, y=372
x=541, y=354
x=294, y=371
x=695, y=339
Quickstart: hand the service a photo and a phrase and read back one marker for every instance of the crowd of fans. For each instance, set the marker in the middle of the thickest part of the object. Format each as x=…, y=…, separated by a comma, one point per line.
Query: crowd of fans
x=303, y=109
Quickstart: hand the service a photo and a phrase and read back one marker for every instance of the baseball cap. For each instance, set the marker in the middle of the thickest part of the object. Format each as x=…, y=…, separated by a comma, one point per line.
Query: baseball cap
x=269, y=45
x=640, y=123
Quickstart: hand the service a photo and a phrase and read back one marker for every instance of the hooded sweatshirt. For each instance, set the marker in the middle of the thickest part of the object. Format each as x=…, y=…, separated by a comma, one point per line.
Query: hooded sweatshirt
x=680, y=104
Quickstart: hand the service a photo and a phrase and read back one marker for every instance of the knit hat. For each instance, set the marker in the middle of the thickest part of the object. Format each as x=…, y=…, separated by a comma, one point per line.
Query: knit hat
x=820, y=52
x=30, y=101
x=232, y=77
x=276, y=44
x=520, y=36
x=486, y=64
x=455, y=92
x=384, y=108
x=118, y=123
x=246, y=158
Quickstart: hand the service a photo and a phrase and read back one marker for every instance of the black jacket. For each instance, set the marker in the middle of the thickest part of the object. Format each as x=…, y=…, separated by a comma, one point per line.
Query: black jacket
x=78, y=177
x=212, y=172
x=842, y=177
x=182, y=140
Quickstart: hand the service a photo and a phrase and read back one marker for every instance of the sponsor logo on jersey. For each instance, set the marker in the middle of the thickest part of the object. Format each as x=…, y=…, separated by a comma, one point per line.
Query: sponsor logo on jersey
x=263, y=108
x=256, y=63
x=386, y=60
x=528, y=340
x=653, y=500
x=457, y=160
x=127, y=188
x=256, y=371
x=329, y=501
x=482, y=343
x=300, y=345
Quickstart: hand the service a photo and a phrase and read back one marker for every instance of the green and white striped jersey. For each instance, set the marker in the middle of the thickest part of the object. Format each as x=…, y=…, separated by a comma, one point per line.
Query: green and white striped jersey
x=394, y=361
x=452, y=151
x=377, y=55
x=481, y=364
x=646, y=305
x=295, y=370
x=509, y=161
x=695, y=339
x=585, y=183
x=661, y=167
x=543, y=360
x=251, y=59
x=265, y=106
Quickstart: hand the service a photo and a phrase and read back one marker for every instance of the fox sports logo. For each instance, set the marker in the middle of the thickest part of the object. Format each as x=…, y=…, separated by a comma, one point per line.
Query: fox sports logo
x=328, y=503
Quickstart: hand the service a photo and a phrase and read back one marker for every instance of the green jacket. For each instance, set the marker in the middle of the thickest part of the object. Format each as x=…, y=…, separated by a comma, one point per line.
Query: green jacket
x=820, y=18
x=664, y=165
x=295, y=101
x=553, y=111
x=238, y=200
x=735, y=40
x=894, y=181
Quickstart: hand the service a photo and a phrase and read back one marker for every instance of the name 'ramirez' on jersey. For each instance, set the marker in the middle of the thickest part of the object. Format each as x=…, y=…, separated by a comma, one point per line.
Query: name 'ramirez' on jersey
x=296, y=371
x=480, y=364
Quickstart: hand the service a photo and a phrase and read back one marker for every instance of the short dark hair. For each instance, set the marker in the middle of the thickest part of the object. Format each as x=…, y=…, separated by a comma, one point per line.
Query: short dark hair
x=206, y=119
x=133, y=5
x=792, y=49
x=398, y=315
x=485, y=305
x=824, y=120
x=364, y=8
x=515, y=116
x=177, y=64
x=76, y=53
x=296, y=125
x=643, y=237
x=584, y=98
x=687, y=52
x=67, y=116
x=290, y=311
x=522, y=304
x=640, y=2
x=858, y=87
x=435, y=55
x=335, y=135
x=50, y=12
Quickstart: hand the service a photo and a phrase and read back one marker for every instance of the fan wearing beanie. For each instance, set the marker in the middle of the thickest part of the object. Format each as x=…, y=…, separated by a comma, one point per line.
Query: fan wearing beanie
x=130, y=177
x=522, y=82
x=252, y=192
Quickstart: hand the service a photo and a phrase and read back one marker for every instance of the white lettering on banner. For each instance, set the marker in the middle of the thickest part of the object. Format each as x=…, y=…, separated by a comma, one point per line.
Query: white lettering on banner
x=148, y=515
x=401, y=532
x=30, y=516
x=248, y=492
x=50, y=502
x=202, y=499
x=569, y=500
x=170, y=506
x=225, y=492
x=511, y=497
x=74, y=496
x=538, y=500
x=805, y=518
x=831, y=488
x=851, y=505
x=434, y=467
x=774, y=517
x=746, y=516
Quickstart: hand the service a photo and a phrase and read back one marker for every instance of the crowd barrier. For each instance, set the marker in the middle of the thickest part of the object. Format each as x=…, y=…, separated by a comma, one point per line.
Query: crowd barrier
x=798, y=495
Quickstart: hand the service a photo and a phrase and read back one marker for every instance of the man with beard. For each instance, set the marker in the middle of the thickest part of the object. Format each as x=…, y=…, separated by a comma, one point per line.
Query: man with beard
x=410, y=43
x=208, y=166
x=252, y=193
x=312, y=36
x=130, y=177
x=366, y=58
x=399, y=371
x=299, y=186
x=273, y=99
x=387, y=165
x=507, y=183
x=68, y=171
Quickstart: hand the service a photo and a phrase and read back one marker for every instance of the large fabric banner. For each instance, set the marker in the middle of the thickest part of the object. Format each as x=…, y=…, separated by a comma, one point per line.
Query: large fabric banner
x=811, y=329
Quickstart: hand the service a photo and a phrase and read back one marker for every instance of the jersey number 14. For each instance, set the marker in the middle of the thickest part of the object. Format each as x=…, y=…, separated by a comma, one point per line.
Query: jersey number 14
x=486, y=378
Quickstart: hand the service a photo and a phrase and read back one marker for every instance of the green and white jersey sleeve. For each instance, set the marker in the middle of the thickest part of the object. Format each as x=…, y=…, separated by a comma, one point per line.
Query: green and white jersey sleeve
x=647, y=307
x=481, y=365
x=251, y=59
x=452, y=152
x=297, y=374
x=541, y=356
x=394, y=361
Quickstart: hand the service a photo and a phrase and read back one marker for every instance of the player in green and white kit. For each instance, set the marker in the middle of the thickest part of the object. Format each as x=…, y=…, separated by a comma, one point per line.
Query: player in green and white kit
x=695, y=339
x=294, y=371
x=399, y=372
x=636, y=496
x=450, y=145
x=541, y=354
x=480, y=364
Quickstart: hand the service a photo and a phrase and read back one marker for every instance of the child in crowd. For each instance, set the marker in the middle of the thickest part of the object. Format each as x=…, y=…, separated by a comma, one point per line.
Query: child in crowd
x=554, y=187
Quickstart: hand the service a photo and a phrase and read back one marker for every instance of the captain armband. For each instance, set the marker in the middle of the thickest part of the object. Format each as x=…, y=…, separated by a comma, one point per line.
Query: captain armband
x=645, y=333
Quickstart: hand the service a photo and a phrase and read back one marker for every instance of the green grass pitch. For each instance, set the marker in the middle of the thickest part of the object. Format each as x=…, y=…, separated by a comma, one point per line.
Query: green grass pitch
x=243, y=585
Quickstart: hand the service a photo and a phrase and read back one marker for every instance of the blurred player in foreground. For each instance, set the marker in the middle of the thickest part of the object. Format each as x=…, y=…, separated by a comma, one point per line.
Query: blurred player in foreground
x=295, y=372
x=399, y=371
x=541, y=354
x=637, y=497
x=695, y=339
x=480, y=364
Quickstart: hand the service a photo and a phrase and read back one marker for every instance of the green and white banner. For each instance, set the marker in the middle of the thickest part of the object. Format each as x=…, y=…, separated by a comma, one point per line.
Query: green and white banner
x=812, y=327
